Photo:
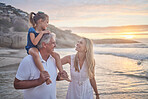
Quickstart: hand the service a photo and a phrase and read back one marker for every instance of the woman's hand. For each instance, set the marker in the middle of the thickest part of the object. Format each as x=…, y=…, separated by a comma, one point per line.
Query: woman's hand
x=63, y=76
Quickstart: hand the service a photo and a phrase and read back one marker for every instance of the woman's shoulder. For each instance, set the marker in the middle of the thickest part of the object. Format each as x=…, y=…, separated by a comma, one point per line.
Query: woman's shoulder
x=72, y=56
x=69, y=58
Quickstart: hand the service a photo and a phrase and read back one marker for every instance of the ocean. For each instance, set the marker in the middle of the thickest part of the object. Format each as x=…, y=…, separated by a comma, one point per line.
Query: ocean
x=121, y=71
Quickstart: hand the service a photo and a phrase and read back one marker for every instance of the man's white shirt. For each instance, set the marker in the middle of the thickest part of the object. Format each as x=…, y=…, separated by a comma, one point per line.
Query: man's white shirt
x=28, y=71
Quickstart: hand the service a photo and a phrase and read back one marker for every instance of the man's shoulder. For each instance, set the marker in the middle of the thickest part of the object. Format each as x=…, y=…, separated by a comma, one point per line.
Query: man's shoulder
x=28, y=58
x=27, y=62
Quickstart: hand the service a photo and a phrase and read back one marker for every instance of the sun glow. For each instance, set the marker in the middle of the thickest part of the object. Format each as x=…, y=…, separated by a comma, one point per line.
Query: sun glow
x=125, y=35
x=128, y=36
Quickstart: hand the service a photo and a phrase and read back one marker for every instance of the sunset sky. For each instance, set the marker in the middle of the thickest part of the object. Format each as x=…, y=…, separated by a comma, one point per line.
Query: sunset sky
x=98, y=13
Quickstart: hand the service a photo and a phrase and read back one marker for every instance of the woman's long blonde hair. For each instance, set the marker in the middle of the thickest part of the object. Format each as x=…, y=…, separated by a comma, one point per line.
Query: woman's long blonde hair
x=89, y=58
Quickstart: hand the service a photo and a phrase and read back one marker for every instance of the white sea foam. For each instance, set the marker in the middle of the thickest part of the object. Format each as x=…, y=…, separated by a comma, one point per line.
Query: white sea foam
x=132, y=51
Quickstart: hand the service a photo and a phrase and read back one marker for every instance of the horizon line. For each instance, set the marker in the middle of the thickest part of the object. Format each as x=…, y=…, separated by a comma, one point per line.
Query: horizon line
x=100, y=26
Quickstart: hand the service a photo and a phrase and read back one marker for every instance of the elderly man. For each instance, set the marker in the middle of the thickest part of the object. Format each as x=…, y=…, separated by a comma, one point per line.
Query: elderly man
x=28, y=76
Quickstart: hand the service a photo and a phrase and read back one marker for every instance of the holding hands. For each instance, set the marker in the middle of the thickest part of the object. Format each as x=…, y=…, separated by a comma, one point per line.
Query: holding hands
x=44, y=76
x=63, y=76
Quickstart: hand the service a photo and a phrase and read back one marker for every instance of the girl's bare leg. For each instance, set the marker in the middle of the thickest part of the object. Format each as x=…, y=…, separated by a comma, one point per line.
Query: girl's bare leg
x=63, y=74
x=35, y=54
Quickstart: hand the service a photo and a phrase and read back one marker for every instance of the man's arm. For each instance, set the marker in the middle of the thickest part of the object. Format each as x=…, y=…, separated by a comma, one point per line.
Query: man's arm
x=24, y=84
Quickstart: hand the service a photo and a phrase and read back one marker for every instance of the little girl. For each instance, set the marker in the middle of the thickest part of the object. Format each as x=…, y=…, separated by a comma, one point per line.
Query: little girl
x=39, y=22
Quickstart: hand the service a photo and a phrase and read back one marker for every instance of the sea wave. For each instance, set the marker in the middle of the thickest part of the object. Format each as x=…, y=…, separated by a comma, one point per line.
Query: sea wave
x=136, y=45
x=135, y=56
x=137, y=51
x=142, y=75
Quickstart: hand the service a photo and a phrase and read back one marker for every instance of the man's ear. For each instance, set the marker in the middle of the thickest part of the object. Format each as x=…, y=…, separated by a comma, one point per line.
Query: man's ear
x=43, y=44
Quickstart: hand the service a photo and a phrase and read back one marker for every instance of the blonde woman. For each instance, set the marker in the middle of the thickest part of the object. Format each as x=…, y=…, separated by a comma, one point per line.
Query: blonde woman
x=82, y=71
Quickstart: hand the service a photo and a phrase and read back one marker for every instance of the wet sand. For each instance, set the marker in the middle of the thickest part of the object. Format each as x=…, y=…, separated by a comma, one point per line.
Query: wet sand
x=112, y=76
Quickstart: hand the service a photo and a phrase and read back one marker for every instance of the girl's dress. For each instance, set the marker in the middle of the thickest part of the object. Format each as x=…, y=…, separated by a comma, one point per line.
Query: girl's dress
x=29, y=43
x=80, y=87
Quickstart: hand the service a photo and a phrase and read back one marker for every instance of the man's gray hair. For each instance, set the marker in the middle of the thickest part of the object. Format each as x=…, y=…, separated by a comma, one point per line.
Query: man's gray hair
x=46, y=38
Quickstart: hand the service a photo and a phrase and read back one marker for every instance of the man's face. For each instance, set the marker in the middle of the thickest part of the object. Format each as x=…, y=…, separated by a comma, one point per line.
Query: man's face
x=51, y=45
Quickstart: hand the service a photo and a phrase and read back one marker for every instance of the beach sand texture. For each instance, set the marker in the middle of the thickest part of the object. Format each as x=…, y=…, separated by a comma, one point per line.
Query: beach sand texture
x=115, y=76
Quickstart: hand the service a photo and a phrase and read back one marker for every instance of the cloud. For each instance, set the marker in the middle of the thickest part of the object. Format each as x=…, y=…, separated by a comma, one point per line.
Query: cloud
x=93, y=10
x=87, y=12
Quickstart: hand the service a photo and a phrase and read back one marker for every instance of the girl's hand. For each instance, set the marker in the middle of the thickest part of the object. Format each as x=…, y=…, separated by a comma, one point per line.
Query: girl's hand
x=46, y=31
x=63, y=76
x=44, y=76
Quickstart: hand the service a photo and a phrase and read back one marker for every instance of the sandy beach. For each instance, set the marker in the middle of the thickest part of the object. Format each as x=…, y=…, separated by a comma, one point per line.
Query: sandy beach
x=115, y=76
x=118, y=29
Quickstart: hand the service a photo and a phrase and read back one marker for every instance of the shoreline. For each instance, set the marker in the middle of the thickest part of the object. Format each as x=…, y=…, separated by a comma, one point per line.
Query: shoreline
x=104, y=72
x=114, y=41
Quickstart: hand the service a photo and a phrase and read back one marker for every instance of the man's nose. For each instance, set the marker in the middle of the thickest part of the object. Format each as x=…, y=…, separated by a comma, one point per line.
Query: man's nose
x=55, y=45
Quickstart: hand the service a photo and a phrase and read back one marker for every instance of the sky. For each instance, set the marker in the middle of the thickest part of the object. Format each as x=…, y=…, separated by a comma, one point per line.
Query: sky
x=90, y=13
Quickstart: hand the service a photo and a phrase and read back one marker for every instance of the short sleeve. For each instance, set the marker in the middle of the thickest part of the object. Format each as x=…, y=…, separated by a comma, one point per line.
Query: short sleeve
x=23, y=72
x=31, y=30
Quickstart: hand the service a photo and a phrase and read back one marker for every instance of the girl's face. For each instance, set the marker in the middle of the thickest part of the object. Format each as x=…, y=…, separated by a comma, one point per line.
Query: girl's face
x=81, y=45
x=44, y=24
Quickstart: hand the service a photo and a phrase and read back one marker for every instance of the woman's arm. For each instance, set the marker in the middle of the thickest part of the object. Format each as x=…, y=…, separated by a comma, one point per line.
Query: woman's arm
x=66, y=59
x=94, y=85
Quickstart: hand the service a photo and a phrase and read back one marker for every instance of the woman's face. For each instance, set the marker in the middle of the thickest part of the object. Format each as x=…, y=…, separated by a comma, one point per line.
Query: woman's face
x=81, y=45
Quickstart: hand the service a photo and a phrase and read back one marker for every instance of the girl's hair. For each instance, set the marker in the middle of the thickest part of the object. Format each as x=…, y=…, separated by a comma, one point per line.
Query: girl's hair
x=34, y=17
x=89, y=58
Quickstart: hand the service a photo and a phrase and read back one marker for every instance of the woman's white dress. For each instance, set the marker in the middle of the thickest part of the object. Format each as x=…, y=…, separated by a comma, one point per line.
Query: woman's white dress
x=80, y=87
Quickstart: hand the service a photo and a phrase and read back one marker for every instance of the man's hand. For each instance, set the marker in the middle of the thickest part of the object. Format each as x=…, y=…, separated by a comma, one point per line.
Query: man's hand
x=63, y=76
x=44, y=76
